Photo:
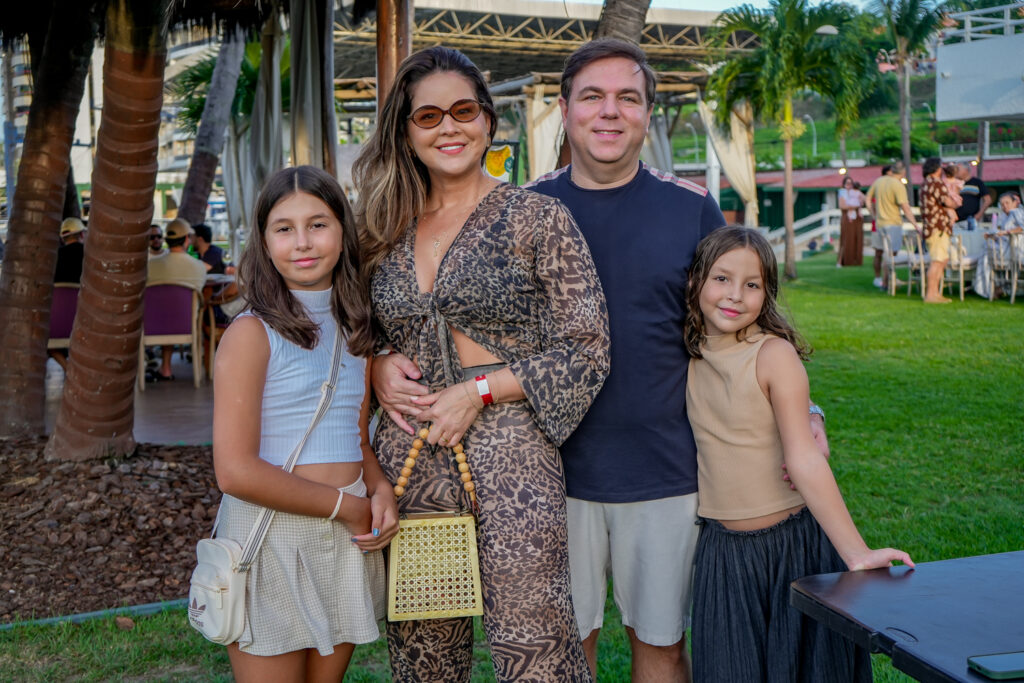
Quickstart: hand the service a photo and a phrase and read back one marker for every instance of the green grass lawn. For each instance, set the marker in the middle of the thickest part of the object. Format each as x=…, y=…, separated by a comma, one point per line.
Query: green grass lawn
x=924, y=419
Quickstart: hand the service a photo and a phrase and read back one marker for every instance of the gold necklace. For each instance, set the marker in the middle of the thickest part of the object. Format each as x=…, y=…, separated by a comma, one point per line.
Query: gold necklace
x=437, y=242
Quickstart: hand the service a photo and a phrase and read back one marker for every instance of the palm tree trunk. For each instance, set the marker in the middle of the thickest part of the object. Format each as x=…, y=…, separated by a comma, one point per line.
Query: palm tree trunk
x=787, y=210
x=842, y=148
x=97, y=411
x=210, y=137
x=623, y=19
x=905, y=113
x=26, y=282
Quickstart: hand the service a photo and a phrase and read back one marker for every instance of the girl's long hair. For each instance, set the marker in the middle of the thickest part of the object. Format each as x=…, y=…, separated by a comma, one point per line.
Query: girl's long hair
x=265, y=290
x=771, y=320
x=393, y=184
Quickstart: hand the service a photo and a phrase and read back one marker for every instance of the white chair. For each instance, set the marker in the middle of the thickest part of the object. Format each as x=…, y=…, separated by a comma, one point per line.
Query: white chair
x=1016, y=262
x=890, y=259
x=171, y=316
x=962, y=263
x=917, y=260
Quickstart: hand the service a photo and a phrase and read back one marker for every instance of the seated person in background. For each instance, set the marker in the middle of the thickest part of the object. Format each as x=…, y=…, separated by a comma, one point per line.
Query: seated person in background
x=71, y=252
x=209, y=253
x=156, y=241
x=175, y=267
x=1012, y=218
x=1011, y=221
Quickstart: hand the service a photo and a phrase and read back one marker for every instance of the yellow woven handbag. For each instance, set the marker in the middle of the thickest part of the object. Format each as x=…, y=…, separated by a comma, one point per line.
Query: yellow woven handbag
x=433, y=565
x=434, y=569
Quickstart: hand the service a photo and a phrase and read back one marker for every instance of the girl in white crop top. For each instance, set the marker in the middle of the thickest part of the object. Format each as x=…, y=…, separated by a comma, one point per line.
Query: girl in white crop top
x=316, y=588
x=746, y=411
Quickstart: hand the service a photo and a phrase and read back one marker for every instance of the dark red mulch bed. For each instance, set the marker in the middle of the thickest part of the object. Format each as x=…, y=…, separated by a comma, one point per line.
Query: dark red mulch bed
x=79, y=537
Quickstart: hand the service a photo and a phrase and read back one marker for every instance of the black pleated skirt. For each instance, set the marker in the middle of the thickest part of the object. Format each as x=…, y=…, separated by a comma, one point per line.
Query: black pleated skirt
x=744, y=628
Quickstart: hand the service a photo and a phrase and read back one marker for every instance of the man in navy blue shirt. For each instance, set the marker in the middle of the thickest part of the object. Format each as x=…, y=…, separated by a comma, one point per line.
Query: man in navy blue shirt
x=631, y=466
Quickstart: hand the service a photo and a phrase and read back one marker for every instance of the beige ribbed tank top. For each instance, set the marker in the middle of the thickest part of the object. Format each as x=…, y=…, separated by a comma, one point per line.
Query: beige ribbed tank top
x=739, y=450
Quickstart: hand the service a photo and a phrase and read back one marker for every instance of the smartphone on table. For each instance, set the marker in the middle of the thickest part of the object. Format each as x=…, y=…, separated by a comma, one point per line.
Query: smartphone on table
x=1005, y=666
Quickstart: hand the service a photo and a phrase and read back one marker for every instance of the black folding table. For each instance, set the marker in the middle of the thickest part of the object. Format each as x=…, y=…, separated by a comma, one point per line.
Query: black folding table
x=928, y=620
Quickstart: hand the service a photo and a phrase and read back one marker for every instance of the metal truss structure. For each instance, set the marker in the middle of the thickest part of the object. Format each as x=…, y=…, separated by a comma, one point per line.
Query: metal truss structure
x=509, y=45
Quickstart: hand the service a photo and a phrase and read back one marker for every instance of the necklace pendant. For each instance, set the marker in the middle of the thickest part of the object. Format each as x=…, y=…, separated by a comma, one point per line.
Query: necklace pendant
x=437, y=245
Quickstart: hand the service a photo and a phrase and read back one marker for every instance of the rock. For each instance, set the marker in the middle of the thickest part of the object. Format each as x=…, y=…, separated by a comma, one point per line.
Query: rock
x=124, y=623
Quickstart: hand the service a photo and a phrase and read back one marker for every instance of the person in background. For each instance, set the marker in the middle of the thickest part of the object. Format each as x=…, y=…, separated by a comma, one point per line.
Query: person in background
x=886, y=197
x=1011, y=221
x=175, y=267
x=953, y=187
x=976, y=199
x=938, y=227
x=851, y=231
x=70, y=254
x=156, y=242
x=209, y=253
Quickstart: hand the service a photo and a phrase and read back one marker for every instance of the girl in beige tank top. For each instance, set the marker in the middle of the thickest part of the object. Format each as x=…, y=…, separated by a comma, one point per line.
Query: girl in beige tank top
x=747, y=400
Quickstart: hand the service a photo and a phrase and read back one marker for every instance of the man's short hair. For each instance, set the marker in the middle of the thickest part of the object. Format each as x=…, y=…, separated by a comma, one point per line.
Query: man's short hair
x=203, y=230
x=605, y=48
x=931, y=165
x=897, y=167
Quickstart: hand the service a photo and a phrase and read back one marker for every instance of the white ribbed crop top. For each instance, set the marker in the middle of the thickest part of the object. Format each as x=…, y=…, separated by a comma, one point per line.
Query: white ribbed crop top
x=292, y=393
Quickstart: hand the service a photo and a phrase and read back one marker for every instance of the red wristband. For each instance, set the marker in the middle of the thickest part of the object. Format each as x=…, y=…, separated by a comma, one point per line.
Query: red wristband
x=484, y=390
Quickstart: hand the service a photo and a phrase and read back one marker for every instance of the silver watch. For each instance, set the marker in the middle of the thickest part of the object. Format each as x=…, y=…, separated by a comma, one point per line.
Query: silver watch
x=816, y=410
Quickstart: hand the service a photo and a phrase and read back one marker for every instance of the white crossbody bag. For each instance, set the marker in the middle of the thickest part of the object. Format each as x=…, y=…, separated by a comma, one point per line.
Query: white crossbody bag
x=216, y=596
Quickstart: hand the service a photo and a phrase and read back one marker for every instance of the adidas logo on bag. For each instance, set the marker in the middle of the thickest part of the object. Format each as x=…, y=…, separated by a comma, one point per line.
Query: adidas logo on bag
x=195, y=613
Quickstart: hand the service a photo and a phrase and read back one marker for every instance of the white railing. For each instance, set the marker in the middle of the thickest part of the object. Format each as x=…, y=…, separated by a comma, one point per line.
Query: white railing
x=991, y=22
x=1011, y=148
x=823, y=225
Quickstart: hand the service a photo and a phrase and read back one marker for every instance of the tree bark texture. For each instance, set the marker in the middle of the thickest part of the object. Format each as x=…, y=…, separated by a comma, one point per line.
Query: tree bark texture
x=97, y=411
x=26, y=282
x=210, y=137
x=787, y=210
x=623, y=19
x=905, y=113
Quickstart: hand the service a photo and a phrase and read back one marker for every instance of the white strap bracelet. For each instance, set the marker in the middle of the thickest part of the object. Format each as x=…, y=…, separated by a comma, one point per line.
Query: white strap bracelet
x=337, y=505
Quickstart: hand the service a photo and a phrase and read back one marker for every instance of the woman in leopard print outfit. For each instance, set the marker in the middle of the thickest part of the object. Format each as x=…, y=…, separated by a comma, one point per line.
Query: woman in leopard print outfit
x=469, y=272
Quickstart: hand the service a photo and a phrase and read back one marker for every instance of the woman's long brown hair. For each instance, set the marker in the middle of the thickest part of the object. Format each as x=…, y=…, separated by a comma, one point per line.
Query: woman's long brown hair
x=771, y=320
x=393, y=184
x=265, y=290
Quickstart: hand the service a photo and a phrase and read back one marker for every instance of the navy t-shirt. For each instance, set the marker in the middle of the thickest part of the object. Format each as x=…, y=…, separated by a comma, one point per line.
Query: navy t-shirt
x=972, y=192
x=635, y=443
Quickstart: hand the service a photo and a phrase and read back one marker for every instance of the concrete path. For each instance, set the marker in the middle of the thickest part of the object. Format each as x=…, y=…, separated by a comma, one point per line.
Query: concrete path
x=168, y=413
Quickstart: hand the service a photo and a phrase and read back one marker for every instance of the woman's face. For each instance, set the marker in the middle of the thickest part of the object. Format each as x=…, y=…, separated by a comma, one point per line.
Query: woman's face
x=1008, y=204
x=848, y=183
x=450, y=149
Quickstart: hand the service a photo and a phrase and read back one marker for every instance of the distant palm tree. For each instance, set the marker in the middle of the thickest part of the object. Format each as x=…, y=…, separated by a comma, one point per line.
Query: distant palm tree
x=217, y=105
x=910, y=24
x=97, y=412
x=799, y=48
x=61, y=35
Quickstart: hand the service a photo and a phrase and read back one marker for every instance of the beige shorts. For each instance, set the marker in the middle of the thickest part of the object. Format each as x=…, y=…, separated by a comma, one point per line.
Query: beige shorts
x=938, y=246
x=895, y=237
x=647, y=548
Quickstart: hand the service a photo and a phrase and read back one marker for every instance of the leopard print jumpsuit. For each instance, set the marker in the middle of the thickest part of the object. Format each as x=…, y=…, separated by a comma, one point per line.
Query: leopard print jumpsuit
x=518, y=279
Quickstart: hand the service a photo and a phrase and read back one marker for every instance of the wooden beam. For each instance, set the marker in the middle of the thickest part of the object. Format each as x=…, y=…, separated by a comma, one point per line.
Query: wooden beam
x=394, y=42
